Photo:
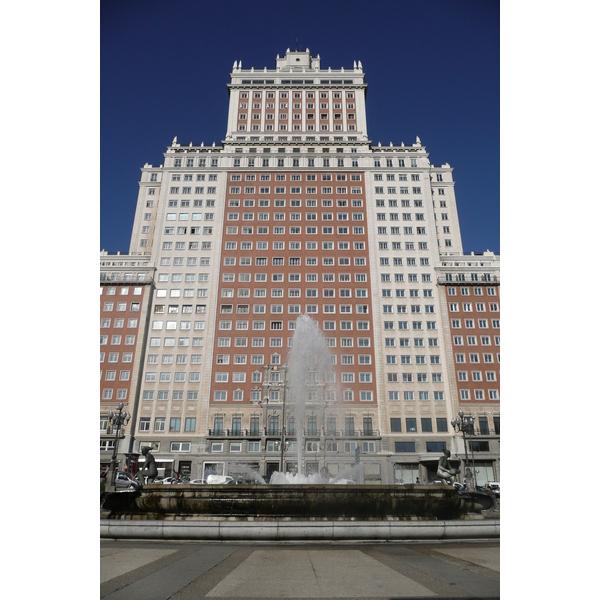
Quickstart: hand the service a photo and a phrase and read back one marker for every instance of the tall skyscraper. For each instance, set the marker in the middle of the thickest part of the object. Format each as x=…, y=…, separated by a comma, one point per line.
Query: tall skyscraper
x=298, y=213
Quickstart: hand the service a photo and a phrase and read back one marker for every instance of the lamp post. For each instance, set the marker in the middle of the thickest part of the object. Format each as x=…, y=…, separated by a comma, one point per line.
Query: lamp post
x=464, y=424
x=268, y=384
x=116, y=420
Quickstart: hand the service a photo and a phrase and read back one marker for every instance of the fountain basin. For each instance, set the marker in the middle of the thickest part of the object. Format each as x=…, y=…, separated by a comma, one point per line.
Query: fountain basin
x=324, y=502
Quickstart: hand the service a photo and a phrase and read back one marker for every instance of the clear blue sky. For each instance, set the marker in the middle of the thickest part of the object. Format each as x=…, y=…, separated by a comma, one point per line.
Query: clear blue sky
x=432, y=67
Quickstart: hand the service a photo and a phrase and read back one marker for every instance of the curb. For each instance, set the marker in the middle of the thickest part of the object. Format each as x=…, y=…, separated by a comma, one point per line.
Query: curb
x=276, y=531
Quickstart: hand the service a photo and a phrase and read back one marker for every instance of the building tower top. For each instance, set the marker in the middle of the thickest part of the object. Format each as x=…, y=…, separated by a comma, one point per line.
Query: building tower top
x=297, y=98
x=298, y=60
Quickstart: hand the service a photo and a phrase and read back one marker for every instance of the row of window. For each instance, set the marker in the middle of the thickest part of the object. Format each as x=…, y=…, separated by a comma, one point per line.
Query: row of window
x=401, y=177
x=295, y=203
x=297, y=116
x=121, y=307
x=411, y=377
x=238, y=395
x=474, y=358
x=193, y=162
x=466, y=291
x=296, y=277
x=292, y=309
x=366, y=447
x=188, y=245
x=214, y=162
x=107, y=394
x=311, y=446
x=242, y=342
x=191, y=395
x=297, y=94
x=479, y=395
x=409, y=396
x=470, y=323
x=234, y=189
x=106, y=445
x=293, y=216
x=468, y=307
x=174, y=202
x=311, y=424
x=296, y=261
x=476, y=376
x=174, y=424
x=296, y=177
x=291, y=325
x=190, y=177
x=389, y=162
x=407, y=231
x=392, y=203
x=119, y=323
x=484, y=340
x=401, y=190
x=297, y=127
x=112, y=376
x=182, y=342
x=297, y=292
x=405, y=216
x=113, y=357
x=115, y=340
x=182, y=325
x=260, y=230
x=294, y=162
x=256, y=376
x=285, y=106
x=180, y=359
x=165, y=377
x=474, y=446
x=123, y=289
x=188, y=190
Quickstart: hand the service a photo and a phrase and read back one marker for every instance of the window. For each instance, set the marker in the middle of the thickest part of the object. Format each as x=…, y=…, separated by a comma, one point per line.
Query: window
x=404, y=446
x=436, y=446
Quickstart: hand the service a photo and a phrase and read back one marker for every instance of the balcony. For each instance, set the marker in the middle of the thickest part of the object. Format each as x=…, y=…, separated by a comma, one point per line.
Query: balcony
x=373, y=434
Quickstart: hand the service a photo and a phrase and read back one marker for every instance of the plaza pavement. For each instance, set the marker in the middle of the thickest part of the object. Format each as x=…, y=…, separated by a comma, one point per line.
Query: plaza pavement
x=154, y=570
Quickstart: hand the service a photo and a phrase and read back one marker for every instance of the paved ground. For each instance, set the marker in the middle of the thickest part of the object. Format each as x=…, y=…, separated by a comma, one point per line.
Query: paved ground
x=131, y=570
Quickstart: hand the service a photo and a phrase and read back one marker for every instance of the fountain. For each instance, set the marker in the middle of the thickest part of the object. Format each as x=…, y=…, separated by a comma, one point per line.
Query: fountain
x=309, y=374
x=296, y=505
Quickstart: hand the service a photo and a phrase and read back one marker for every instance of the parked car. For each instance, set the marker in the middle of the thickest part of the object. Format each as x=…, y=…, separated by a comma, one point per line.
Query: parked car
x=169, y=480
x=245, y=480
x=343, y=481
x=495, y=487
x=123, y=481
x=197, y=481
x=219, y=479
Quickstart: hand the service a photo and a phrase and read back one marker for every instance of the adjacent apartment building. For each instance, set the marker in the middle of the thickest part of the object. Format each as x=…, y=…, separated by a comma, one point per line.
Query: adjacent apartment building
x=297, y=213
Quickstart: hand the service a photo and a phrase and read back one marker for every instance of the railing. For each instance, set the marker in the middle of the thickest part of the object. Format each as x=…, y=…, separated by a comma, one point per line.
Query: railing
x=468, y=280
x=125, y=278
x=266, y=432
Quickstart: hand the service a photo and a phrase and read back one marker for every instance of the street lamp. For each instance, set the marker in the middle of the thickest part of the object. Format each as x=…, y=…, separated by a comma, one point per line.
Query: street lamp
x=268, y=384
x=464, y=424
x=116, y=420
